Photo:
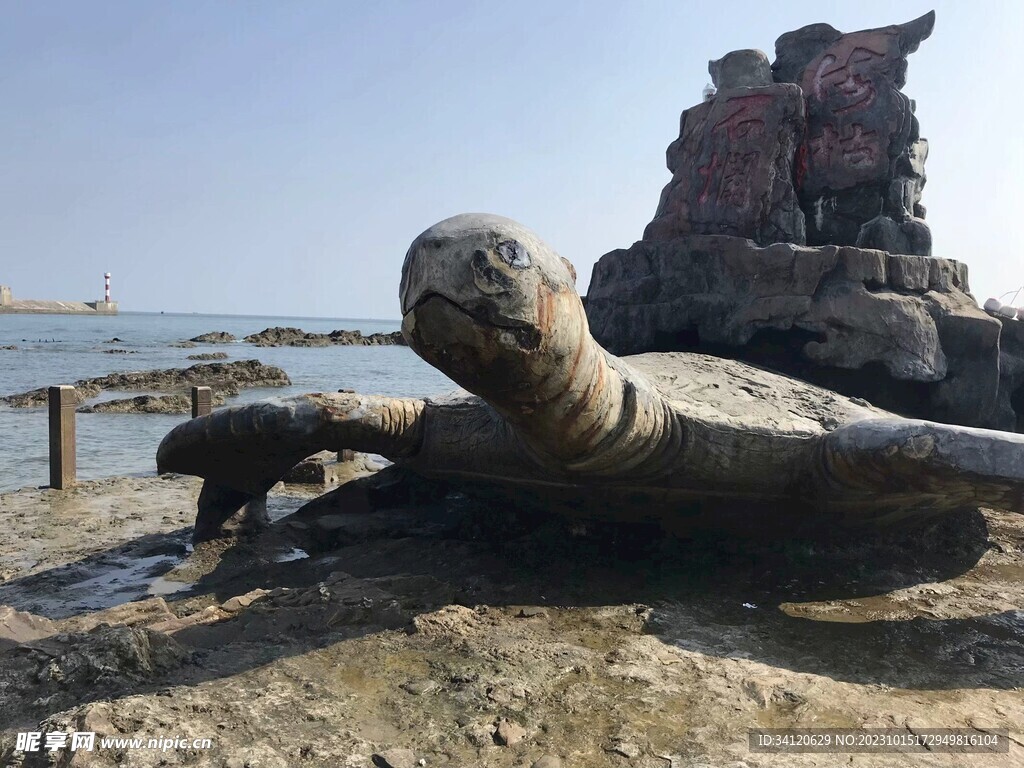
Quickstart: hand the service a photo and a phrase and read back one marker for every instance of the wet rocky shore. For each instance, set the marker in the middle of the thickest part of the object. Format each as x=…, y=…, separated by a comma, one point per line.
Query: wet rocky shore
x=457, y=634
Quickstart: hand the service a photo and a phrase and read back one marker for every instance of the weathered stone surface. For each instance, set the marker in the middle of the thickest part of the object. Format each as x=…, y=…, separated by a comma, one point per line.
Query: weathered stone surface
x=19, y=627
x=1010, y=404
x=860, y=170
x=327, y=468
x=732, y=168
x=141, y=613
x=741, y=69
x=911, y=235
x=509, y=733
x=902, y=331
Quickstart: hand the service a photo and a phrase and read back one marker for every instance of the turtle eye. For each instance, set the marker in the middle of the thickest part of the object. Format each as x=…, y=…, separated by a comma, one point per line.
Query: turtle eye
x=488, y=277
x=513, y=253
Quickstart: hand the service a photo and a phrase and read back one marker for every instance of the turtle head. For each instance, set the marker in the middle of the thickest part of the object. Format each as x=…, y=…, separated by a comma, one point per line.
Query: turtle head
x=487, y=302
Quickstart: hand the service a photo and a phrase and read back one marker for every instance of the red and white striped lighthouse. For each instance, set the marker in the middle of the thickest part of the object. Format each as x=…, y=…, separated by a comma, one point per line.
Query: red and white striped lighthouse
x=106, y=287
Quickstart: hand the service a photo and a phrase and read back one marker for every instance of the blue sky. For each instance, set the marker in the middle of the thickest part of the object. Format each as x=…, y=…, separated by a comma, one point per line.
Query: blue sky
x=279, y=157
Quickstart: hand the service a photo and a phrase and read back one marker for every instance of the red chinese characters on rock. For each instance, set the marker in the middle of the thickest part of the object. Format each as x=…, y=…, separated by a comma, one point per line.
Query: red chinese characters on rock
x=850, y=79
x=852, y=95
x=737, y=176
x=732, y=167
x=746, y=117
x=730, y=179
x=855, y=148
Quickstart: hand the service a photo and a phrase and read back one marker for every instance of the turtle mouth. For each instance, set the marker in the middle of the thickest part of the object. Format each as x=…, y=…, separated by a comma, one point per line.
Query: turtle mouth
x=485, y=314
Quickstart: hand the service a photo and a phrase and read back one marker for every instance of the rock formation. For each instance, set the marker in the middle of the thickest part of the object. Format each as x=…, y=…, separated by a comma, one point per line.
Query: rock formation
x=857, y=304
x=148, y=404
x=214, y=337
x=860, y=169
x=732, y=163
x=901, y=331
x=296, y=337
x=820, y=147
x=224, y=378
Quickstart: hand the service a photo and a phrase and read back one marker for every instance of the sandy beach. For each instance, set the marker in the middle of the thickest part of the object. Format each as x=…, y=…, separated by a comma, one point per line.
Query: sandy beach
x=454, y=634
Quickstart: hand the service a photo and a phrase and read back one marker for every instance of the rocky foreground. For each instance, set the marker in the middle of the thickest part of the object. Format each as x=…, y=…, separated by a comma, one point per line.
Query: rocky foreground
x=446, y=634
x=224, y=378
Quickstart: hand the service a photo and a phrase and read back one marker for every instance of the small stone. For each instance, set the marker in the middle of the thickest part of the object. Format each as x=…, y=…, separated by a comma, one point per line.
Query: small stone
x=509, y=733
x=239, y=602
x=234, y=762
x=419, y=687
x=532, y=612
x=548, y=761
x=20, y=627
x=396, y=758
x=626, y=749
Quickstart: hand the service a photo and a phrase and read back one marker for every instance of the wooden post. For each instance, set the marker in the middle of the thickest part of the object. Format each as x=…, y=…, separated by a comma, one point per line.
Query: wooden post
x=202, y=401
x=62, y=403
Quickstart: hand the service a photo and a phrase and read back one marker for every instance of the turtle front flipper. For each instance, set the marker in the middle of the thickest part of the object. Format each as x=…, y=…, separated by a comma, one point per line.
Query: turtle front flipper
x=244, y=450
x=880, y=469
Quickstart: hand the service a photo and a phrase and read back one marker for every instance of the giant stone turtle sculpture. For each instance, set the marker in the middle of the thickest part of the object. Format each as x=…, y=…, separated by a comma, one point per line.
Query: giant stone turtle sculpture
x=552, y=414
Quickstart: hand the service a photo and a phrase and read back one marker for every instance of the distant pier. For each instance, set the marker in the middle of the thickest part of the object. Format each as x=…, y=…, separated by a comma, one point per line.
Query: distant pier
x=11, y=306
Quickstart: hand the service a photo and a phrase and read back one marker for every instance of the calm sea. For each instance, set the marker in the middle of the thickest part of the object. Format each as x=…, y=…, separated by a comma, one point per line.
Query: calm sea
x=60, y=349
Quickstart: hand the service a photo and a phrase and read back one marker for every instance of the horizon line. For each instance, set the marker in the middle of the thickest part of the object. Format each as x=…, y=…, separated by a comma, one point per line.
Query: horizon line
x=278, y=317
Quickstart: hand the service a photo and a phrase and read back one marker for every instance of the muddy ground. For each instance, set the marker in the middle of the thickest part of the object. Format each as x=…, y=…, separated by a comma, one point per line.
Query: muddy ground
x=456, y=634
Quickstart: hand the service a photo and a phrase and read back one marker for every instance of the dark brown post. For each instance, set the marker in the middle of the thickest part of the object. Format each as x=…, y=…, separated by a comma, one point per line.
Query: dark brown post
x=62, y=436
x=202, y=401
x=346, y=454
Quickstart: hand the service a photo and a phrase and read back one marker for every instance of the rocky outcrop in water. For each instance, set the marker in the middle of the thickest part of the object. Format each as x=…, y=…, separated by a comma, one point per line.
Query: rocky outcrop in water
x=213, y=337
x=296, y=337
x=223, y=378
x=209, y=356
x=148, y=404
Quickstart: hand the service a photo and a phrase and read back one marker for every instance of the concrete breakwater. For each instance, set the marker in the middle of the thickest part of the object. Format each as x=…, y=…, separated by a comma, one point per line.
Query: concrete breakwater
x=10, y=305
